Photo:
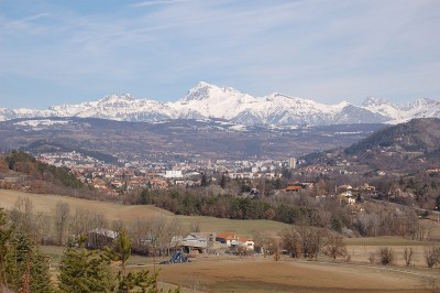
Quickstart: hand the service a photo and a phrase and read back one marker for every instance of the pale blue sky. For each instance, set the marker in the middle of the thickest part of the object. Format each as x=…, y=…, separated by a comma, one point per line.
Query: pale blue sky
x=54, y=52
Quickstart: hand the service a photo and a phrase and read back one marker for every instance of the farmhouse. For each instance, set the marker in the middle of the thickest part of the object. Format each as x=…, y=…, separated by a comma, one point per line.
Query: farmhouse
x=231, y=239
x=247, y=242
x=226, y=238
x=194, y=241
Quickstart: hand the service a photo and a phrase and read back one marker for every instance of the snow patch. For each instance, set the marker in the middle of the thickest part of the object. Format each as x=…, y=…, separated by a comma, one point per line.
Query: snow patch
x=41, y=123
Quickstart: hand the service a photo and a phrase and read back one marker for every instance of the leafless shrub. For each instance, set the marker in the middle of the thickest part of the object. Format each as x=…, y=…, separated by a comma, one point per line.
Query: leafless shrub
x=386, y=256
x=432, y=256
x=272, y=246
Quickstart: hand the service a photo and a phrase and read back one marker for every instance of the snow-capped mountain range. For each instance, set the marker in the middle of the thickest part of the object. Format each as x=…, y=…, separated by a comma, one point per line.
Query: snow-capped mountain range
x=207, y=101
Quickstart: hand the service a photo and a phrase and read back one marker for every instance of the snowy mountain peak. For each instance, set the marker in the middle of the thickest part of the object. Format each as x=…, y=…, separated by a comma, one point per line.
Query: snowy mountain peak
x=204, y=90
x=205, y=101
x=342, y=105
x=115, y=100
x=374, y=102
x=276, y=95
x=423, y=102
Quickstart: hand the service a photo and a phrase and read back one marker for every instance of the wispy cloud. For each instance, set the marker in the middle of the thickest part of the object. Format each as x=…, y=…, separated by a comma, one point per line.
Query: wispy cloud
x=23, y=23
x=323, y=49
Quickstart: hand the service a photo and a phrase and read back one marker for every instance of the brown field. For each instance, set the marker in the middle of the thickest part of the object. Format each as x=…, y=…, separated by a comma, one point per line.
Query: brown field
x=126, y=213
x=257, y=274
x=266, y=275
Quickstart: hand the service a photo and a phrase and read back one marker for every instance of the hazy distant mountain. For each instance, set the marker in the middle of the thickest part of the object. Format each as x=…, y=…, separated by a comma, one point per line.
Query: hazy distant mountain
x=173, y=139
x=206, y=101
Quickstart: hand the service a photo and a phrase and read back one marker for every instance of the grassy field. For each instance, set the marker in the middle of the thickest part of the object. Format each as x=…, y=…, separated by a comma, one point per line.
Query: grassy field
x=126, y=213
x=385, y=241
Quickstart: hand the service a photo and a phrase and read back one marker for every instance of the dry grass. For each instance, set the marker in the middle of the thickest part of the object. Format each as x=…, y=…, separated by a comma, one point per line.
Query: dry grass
x=256, y=274
x=384, y=241
x=259, y=275
x=128, y=213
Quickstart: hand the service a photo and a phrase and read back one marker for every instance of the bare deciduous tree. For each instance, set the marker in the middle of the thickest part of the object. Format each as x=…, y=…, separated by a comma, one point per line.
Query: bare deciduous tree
x=334, y=246
x=408, y=254
x=372, y=257
x=291, y=242
x=61, y=220
x=310, y=241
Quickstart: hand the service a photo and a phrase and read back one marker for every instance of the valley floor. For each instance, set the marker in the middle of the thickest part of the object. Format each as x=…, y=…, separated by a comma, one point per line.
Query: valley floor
x=259, y=274
x=208, y=273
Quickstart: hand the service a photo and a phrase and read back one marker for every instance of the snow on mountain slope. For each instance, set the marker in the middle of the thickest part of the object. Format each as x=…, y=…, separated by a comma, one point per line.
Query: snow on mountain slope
x=421, y=108
x=383, y=107
x=207, y=101
x=123, y=107
x=213, y=102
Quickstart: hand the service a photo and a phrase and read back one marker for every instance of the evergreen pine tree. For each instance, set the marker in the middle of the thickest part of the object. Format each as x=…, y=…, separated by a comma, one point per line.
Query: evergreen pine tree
x=40, y=277
x=26, y=269
x=17, y=260
x=84, y=271
x=141, y=280
x=5, y=233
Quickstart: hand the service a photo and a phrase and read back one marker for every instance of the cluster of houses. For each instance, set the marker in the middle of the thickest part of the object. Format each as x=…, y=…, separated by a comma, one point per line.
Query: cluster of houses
x=119, y=177
x=345, y=193
x=201, y=242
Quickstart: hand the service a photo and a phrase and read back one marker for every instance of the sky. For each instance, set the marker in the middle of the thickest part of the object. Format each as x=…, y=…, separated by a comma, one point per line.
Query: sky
x=57, y=52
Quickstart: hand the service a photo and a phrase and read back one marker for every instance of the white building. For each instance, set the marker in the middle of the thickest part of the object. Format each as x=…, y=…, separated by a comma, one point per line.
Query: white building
x=173, y=174
x=292, y=163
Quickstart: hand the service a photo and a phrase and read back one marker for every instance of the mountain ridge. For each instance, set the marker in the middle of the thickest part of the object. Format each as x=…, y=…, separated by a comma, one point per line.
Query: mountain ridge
x=405, y=147
x=207, y=101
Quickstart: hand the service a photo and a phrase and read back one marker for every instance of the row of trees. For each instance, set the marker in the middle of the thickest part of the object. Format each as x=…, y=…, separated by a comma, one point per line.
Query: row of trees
x=55, y=229
x=66, y=225
x=310, y=242
x=303, y=242
x=203, y=202
x=298, y=208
